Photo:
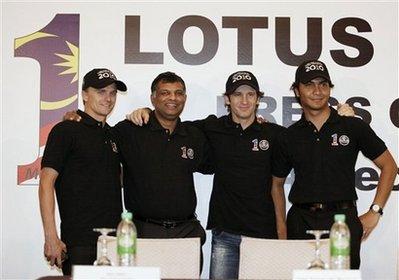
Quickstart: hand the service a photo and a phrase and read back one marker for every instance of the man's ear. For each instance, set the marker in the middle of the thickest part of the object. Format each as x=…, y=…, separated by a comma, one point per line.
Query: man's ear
x=85, y=95
x=226, y=100
x=296, y=91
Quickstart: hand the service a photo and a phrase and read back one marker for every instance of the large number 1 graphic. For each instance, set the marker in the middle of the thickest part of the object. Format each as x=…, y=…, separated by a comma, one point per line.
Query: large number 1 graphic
x=56, y=48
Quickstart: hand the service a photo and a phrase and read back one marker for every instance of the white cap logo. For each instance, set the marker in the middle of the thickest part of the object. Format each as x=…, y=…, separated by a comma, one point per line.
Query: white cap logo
x=241, y=76
x=312, y=66
x=103, y=74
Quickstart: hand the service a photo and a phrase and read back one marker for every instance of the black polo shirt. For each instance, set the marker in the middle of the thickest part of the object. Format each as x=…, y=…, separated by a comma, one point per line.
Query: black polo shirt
x=158, y=168
x=324, y=161
x=88, y=186
x=241, y=201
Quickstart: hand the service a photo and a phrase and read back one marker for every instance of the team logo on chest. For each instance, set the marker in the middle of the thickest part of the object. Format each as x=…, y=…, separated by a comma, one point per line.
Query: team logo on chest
x=343, y=140
x=187, y=152
x=262, y=144
x=113, y=146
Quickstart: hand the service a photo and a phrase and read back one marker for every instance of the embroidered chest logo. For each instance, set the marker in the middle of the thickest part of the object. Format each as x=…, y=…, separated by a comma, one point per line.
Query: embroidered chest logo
x=343, y=140
x=187, y=152
x=113, y=146
x=262, y=144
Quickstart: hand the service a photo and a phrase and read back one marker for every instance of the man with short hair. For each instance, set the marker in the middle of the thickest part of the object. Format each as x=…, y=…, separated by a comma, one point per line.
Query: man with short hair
x=81, y=164
x=322, y=148
x=159, y=160
x=243, y=201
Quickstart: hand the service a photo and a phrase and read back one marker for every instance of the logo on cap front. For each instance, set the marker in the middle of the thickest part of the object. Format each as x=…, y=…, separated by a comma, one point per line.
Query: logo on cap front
x=241, y=76
x=104, y=74
x=314, y=66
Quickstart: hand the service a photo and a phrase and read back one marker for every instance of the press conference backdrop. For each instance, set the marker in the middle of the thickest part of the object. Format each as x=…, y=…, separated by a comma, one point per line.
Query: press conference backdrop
x=47, y=47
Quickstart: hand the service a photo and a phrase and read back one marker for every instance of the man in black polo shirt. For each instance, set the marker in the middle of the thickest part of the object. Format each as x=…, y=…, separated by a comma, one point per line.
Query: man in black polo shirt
x=322, y=148
x=159, y=160
x=243, y=201
x=81, y=164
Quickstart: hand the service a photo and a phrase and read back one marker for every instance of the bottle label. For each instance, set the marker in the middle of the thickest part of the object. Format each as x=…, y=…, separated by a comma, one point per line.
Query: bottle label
x=340, y=247
x=126, y=244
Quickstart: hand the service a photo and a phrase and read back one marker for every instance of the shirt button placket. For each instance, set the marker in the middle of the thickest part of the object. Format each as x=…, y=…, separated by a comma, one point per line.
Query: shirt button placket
x=239, y=129
x=167, y=132
x=317, y=134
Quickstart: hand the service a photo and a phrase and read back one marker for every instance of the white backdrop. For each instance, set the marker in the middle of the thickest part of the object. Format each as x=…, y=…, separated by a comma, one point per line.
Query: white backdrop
x=102, y=44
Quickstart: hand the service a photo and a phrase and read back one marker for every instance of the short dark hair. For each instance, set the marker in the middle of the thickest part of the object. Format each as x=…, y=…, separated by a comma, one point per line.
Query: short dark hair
x=258, y=93
x=167, y=77
x=295, y=85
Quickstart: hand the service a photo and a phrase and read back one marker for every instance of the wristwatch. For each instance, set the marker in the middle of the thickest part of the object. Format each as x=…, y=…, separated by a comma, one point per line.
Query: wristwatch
x=376, y=209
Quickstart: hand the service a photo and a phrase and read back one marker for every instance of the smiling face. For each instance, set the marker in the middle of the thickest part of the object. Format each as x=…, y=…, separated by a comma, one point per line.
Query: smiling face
x=314, y=95
x=243, y=103
x=99, y=102
x=168, y=100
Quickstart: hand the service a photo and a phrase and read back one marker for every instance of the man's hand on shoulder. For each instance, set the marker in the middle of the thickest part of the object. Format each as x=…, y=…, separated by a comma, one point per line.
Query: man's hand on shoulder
x=345, y=110
x=140, y=116
x=260, y=119
x=72, y=116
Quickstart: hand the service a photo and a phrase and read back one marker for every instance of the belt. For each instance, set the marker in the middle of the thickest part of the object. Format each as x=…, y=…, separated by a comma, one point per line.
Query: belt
x=327, y=206
x=166, y=223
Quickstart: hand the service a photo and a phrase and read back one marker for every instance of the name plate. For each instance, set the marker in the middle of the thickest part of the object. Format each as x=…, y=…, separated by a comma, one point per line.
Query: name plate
x=333, y=274
x=80, y=272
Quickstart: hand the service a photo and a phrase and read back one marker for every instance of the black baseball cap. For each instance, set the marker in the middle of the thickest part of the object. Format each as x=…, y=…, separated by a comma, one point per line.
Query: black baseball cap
x=100, y=78
x=241, y=78
x=311, y=69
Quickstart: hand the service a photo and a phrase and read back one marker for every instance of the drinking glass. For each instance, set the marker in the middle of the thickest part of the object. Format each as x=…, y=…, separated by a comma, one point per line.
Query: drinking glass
x=103, y=258
x=317, y=263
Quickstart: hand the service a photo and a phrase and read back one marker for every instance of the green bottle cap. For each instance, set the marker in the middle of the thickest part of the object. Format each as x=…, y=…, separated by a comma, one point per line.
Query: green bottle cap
x=339, y=217
x=127, y=215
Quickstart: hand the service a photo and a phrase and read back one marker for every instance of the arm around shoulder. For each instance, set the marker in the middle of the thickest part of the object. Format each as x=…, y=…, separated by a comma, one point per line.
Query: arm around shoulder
x=203, y=124
x=139, y=116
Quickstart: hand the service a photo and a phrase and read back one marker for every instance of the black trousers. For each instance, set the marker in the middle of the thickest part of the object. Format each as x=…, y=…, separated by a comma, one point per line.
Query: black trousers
x=187, y=229
x=300, y=220
x=82, y=255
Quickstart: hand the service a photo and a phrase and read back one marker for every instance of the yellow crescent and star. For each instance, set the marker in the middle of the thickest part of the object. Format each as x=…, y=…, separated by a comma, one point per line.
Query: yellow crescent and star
x=71, y=62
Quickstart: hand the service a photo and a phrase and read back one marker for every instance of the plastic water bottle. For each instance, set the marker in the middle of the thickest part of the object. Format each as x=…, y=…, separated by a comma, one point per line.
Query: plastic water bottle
x=339, y=244
x=126, y=236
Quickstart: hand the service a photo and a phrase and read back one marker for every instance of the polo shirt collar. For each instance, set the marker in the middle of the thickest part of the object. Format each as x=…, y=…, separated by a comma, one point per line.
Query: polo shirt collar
x=90, y=121
x=155, y=125
x=230, y=123
x=333, y=118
